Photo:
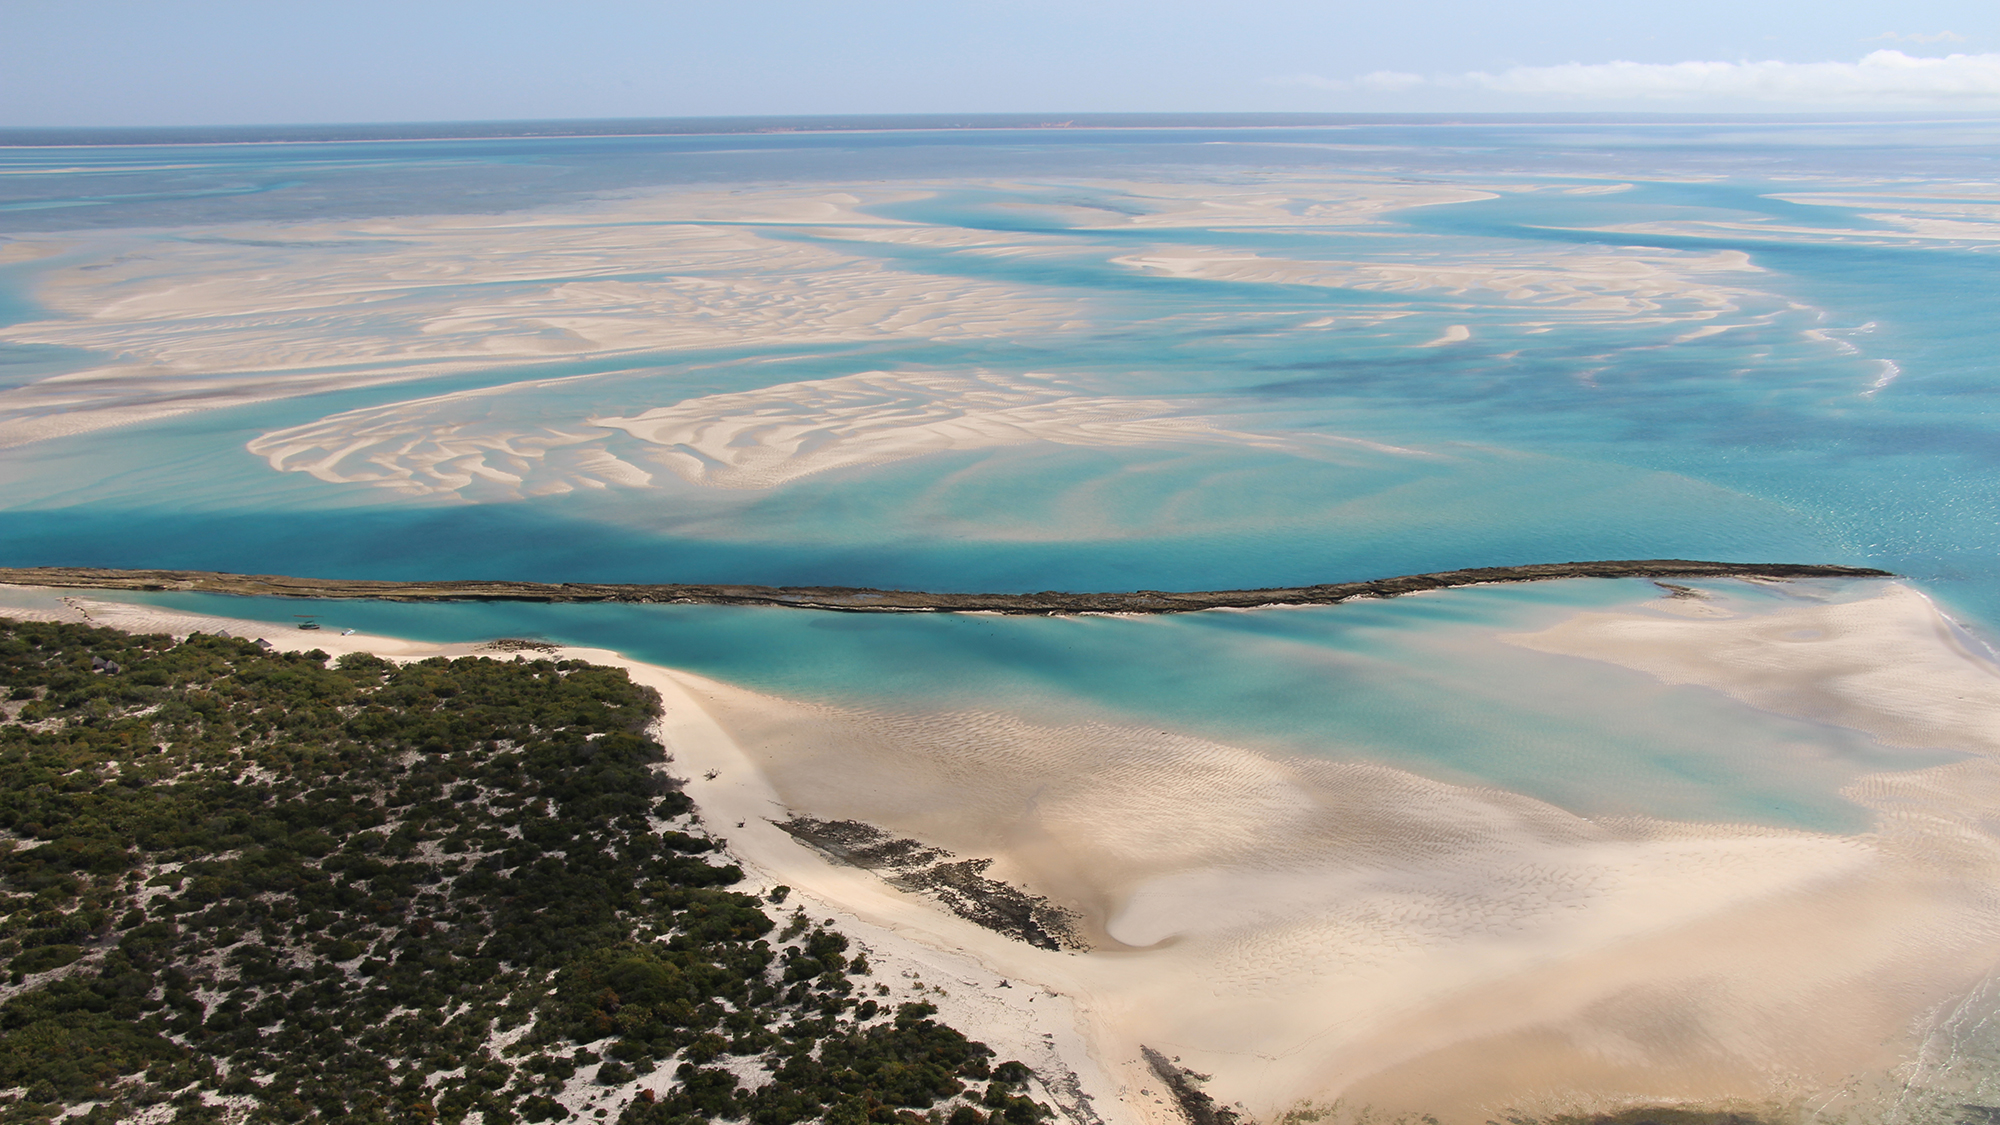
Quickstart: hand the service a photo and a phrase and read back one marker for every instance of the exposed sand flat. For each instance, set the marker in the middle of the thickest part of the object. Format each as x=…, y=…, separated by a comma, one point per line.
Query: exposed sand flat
x=1889, y=664
x=1909, y=225
x=1968, y=229
x=1454, y=334
x=952, y=238
x=763, y=438
x=1655, y=286
x=1306, y=930
x=1274, y=201
x=225, y=316
x=785, y=206
x=13, y=250
x=105, y=397
x=1974, y=216
x=213, y=317
x=503, y=443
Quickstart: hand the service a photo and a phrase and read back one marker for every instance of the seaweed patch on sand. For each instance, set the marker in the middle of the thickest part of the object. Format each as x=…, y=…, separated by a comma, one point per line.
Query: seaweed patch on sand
x=960, y=885
x=1185, y=1086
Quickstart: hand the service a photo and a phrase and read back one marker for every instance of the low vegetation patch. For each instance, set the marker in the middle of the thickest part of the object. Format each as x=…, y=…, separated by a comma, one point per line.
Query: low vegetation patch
x=240, y=885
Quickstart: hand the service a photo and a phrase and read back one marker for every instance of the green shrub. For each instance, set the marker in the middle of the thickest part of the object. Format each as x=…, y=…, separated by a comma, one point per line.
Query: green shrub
x=44, y=958
x=353, y=875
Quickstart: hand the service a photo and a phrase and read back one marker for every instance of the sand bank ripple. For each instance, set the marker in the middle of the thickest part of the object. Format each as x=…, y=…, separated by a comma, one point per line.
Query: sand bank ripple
x=1616, y=287
x=501, y=443
x=217, y=317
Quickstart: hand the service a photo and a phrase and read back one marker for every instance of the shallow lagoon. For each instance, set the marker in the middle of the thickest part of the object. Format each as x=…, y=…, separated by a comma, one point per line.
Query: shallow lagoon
x=1626, y=394
x=1418, y=682
x=1186, y=358
x=1553, y=431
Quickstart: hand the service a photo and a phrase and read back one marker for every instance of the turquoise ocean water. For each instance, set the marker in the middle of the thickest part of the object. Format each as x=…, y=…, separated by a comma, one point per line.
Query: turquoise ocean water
x=1848, y=412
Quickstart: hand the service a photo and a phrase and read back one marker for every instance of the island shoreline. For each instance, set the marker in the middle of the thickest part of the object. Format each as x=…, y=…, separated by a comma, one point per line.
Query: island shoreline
x=925, y=951
x=847, y=599
x=1085, y=1020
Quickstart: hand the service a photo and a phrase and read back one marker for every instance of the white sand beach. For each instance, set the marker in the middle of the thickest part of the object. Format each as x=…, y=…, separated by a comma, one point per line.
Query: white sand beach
x=1313, y=932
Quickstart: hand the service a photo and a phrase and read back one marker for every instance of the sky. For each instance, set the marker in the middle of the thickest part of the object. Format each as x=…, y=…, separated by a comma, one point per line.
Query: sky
x=219, y=62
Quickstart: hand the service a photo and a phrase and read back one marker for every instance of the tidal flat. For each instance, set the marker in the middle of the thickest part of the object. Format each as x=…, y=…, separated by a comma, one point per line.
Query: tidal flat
x=1577, y=849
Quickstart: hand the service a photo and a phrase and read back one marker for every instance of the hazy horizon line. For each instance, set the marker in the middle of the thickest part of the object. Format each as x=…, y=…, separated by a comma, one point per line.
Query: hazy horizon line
x=55, y=136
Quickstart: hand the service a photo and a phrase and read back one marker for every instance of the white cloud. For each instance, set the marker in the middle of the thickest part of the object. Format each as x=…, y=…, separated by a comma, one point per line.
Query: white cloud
x=1886, y=76
x=1389, y=81
x=1311, y=82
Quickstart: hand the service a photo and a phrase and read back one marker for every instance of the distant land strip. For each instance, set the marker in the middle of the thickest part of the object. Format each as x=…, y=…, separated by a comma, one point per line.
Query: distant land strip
x=862, y=600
